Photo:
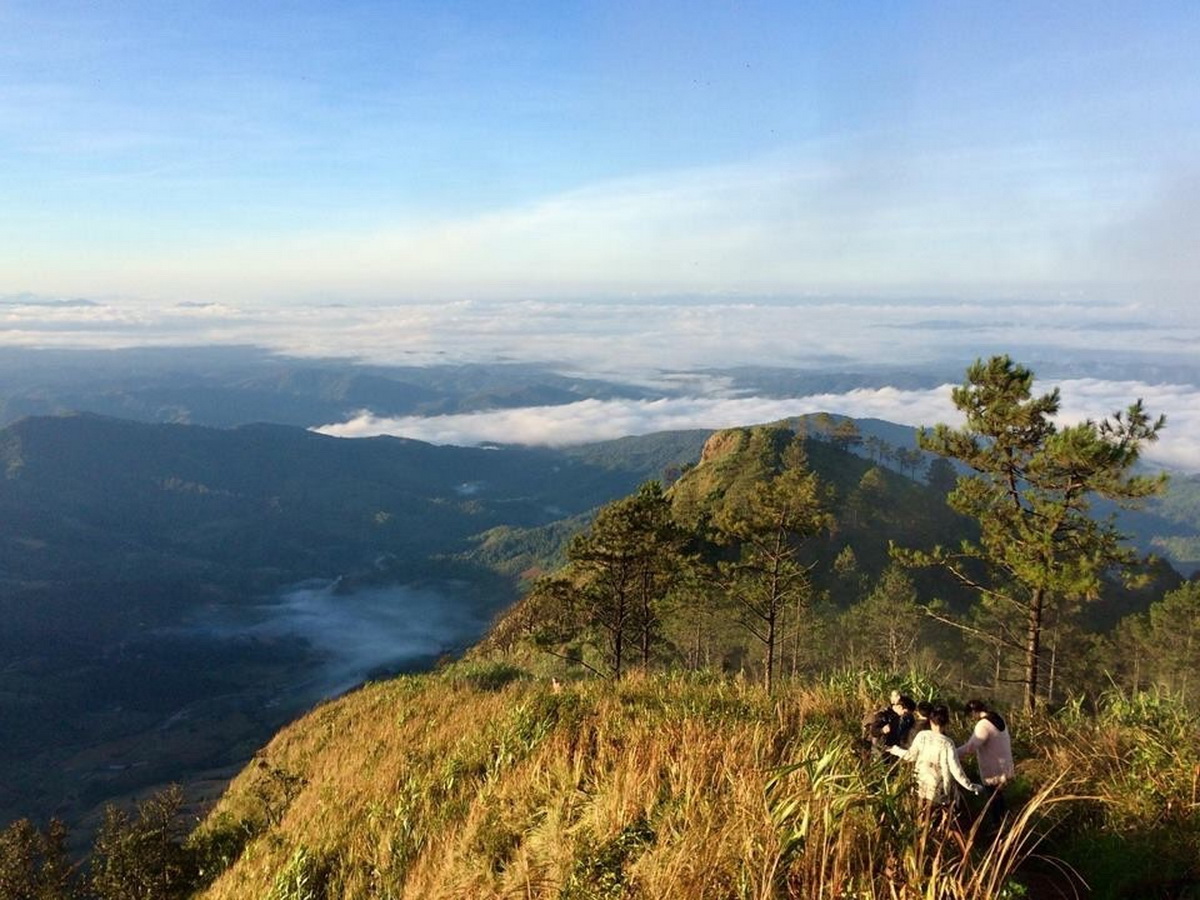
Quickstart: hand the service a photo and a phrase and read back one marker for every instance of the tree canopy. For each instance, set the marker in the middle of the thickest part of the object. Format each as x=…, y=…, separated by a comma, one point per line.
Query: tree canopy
x=1031, y=492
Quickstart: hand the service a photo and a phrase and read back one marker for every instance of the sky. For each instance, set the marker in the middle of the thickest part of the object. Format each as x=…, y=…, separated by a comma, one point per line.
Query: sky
x=628, y=190
x=273, y=154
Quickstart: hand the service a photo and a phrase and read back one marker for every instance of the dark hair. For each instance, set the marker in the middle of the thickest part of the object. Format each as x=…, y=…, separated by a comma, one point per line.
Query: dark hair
x=906, y=702
x=978, y=706
x=940, y=716
x=924, y=707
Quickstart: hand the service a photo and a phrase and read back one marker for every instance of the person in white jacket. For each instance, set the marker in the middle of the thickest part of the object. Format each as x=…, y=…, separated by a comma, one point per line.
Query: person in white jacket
x=936, y=763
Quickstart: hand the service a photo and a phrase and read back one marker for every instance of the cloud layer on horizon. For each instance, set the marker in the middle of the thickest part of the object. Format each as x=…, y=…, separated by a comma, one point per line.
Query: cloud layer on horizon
x=623, y=336
x=679, y=345
x=597, y=420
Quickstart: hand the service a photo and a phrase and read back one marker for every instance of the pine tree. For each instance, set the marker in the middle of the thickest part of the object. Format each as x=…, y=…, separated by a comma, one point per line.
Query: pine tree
x=1031, y=494
x=766, y=528
x=142, y=857
x=624, y=567
x=884, y=628
x=34, y=864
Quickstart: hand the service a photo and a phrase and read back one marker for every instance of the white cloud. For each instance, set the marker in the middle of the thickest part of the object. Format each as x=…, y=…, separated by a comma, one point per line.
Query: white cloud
x=667, y=343
x=1179, y=443
x=594, y=420
x=358, y=633
x=628, y=338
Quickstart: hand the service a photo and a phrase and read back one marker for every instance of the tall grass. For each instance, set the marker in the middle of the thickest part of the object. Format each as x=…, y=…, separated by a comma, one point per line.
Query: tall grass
x=1136, y=833
x=858, y=831
x=482, y=783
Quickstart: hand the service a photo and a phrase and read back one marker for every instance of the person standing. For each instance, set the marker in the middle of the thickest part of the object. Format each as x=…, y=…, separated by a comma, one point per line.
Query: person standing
x=935, y=761
x=881, y=729
x=921, y=713
x=904, y=709
x=991, y=742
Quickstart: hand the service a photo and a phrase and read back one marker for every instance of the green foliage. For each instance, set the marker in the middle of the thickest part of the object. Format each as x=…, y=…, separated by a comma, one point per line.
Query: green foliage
x=600, y=866
x=142, y=857
x=1031, y=495
x=1163, y=644
x=885, y=628
x=33, y=863
x=699, y=620
x=305, y=877
x=871, y=686
x=1137, y=833
x=622, y=568
x=216, y=847
x=486, y=675
x=496, y=839
x=274, y=790
x=766, y=526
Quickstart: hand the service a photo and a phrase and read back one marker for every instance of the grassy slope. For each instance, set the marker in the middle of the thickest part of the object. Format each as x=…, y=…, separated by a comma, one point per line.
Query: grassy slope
x=476, y=783
x=482, y=781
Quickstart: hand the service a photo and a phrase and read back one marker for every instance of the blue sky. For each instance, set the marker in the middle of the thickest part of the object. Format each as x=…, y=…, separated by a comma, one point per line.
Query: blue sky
x=291, y=152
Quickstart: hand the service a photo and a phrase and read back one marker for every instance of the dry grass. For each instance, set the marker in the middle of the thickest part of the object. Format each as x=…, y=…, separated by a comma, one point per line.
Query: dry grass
x=467, y=785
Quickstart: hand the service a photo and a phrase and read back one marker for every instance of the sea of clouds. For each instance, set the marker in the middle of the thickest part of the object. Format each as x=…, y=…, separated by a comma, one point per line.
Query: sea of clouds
x=593, y=420
x=673, y=343
x=625, y=336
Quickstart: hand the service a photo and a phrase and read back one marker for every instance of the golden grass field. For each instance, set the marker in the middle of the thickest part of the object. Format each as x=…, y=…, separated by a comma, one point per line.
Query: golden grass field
x=481, y=781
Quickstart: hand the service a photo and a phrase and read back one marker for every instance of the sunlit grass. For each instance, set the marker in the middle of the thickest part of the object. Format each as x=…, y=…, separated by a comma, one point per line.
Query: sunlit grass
x=480, y=782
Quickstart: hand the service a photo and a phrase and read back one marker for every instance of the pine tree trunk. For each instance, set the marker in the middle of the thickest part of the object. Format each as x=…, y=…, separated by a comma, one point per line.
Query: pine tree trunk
x=770, y=652
x=1053, y=665
x=1033, y=648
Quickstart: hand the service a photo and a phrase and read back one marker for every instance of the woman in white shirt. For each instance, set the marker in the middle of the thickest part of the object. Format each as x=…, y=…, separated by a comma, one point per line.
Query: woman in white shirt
x=937, y=766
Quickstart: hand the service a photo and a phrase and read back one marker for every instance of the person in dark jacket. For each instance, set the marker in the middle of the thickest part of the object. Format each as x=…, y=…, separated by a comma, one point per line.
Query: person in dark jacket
x=904, y=709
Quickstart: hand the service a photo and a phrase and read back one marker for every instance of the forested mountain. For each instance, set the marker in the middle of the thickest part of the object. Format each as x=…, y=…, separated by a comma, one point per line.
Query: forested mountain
x=838, y=599
x=127, y=546
x=138, y=562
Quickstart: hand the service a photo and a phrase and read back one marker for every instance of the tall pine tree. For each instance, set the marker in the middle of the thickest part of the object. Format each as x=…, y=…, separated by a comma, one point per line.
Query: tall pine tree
x=1031, y=492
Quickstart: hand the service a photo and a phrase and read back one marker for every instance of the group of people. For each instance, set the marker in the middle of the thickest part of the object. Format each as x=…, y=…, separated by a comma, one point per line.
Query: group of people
x=916, y=733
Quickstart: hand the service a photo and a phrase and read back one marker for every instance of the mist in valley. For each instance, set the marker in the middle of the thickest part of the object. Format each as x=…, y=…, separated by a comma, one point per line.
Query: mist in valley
x=351, y=636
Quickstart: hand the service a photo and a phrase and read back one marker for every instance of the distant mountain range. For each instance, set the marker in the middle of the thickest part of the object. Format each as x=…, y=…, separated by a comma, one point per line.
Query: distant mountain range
x=228, y=386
